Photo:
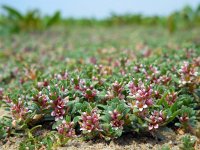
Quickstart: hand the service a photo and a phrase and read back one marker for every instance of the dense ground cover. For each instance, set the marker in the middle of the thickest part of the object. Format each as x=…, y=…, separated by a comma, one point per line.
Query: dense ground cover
x=99, y=83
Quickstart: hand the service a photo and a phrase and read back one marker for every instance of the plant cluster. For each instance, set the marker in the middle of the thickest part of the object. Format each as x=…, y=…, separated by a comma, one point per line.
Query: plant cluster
x=57, y=86
x=97, y=101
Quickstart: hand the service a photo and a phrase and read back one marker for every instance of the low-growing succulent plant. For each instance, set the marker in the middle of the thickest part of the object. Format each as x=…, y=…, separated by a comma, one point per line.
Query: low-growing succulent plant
x=188, y=143
x=104, y=97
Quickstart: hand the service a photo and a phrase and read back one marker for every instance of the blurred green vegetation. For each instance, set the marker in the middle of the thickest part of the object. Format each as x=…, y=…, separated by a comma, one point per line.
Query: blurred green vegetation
x=12, y=21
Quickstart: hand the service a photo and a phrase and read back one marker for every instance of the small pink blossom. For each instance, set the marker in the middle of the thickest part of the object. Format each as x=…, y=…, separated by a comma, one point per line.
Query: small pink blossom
x=116, y=121
x=140, y=105
x=117, y=90
x=59, y=108
x=58, y=113
x=171, y=98
x=184, y=118
x=90, y=121
x=155, y=119
x=66, y=129
x=188, y=73
x=90, y=93
x=164, y=79
x=18, y=110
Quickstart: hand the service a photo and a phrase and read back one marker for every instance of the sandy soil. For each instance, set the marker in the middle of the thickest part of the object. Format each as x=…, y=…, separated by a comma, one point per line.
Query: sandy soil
x=129, y=142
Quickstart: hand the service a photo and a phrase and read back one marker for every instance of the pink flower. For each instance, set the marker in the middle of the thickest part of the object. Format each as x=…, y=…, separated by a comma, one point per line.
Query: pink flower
x=90, y=121
x=89, y=93
x=153, y=126
x=140, y=105
x=154, y=69
x=171, y=98
x=141, y=93
x=61, y=76
x=187, y=73
x=116, y=121
x=42, y=84
x=164, y=79
x=59, y=103
x=157, y=95
x=117, y=90
x=59, y=106
x=41, y=99
x=18, y=110
x=184, y=118
x=149, y=102
x=133, y=88
x=66, y=129
x=58, y=113
x=155, y=119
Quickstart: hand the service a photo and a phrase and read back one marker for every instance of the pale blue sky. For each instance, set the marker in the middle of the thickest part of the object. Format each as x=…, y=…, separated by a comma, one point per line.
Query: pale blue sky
x=100, y=8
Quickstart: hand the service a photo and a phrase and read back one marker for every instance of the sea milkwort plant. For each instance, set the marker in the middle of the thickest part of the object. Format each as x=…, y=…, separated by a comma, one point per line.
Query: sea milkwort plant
x=90, y=122
x=115, y=117
x=102, y=101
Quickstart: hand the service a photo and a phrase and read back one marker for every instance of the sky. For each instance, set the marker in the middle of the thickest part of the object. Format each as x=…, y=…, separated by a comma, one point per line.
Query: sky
x=100, y=8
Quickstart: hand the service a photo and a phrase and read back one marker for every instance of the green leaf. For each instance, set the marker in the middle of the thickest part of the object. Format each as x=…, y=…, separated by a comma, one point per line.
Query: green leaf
x=105, y=118
x=68, y=119
x=76, y=119
x=174, y=115
x=13, y=12
x=49, y=143
x=118, y=132
x=101, y=106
